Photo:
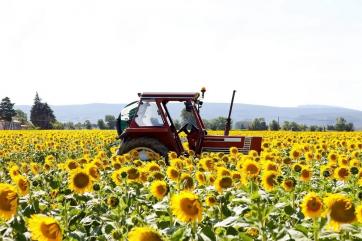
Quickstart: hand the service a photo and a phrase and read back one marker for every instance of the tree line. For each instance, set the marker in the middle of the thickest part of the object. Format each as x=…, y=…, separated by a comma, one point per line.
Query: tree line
x=42, y=117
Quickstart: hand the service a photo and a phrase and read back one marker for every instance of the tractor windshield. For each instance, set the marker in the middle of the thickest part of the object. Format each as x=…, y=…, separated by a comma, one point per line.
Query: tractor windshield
x=148, y=114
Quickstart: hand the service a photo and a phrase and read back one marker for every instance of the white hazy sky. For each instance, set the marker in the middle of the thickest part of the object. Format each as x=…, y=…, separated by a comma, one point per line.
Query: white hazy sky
x=282, y=53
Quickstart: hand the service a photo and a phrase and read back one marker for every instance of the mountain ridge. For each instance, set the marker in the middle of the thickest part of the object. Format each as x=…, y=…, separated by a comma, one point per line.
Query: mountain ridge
x=304, y=114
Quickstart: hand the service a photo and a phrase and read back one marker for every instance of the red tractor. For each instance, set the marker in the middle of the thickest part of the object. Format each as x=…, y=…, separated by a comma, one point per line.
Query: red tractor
x=146, y=126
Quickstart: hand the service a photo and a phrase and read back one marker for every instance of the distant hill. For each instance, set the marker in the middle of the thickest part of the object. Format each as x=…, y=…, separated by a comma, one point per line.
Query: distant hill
x=308, y=114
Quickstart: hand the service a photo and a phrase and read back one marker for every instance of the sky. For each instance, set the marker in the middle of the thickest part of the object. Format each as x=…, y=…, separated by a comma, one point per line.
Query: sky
x=277, y=53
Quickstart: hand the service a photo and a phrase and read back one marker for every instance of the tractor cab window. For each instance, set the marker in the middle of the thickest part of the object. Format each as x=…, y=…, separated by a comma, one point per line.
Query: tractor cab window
x=148, y=114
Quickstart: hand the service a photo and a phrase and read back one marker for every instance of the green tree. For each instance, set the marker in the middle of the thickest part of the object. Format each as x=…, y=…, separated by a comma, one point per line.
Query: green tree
x=7, y=111
x=78, y=126
x=69, y=125
x=110, y=121
x=87, y=125
x=218, y=123
x=177, y=124
x=258, y=124
x=274, y=125
x=41, y=115
x=244, y=124
x=101, y=125
x=58, y=125
x=21, y=116
x=286, y=126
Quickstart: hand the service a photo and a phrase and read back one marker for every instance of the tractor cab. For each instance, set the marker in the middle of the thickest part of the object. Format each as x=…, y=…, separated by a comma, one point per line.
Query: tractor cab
x=149, y=128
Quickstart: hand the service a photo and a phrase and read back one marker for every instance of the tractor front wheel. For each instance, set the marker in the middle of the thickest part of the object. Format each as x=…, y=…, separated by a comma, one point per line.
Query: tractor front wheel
x=146, y=148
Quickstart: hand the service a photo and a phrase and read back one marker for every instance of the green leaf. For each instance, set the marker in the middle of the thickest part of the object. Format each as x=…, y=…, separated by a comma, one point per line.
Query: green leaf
x=289, y=210
x=176, y=236
x=245, y=237
x=301, y=229
x=207, y=231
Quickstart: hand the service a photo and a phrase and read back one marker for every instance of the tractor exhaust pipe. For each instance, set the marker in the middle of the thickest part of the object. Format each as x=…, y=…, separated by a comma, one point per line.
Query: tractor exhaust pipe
x=228, y=120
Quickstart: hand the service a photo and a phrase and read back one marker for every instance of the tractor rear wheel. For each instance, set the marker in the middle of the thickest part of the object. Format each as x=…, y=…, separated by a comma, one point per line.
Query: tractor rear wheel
x=145, y=146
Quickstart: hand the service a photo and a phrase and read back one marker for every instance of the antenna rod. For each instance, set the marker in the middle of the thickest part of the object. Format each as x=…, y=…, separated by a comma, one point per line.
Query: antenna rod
x=228, y=120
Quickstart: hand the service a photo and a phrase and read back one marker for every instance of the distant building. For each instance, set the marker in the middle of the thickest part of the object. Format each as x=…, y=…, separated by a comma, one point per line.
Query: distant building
x=10, y=125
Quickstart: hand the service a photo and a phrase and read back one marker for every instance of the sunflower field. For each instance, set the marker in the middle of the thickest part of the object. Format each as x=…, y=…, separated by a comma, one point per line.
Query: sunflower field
x=71, y=185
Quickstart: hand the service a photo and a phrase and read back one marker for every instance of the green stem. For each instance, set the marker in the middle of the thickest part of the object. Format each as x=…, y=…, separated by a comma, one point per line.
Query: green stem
x=315, y=229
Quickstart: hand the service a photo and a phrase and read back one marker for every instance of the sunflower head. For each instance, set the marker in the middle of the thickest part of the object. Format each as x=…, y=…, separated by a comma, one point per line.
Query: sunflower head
x=341, y=173
x=312, y=205
x=144, y=234
x=210, y=200
x=340, y=210
x=305, y=174
x=23, y=185
x=269, y=180
x=289, y=184
x=250, y=168
x=223, y=182
x=187, y=182
x=186, y=207
x=200, y=177
x=359, y=213
x=44, y=228
x=8, y=201
x=159, y=189
x=80, y=181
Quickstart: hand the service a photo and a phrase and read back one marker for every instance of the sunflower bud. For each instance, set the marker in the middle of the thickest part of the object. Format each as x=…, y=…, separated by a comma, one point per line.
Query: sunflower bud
x=96, y=187
x=113, y=201
x=354, y=170
x=124, y=175
x=326, y=173
x=117, y=234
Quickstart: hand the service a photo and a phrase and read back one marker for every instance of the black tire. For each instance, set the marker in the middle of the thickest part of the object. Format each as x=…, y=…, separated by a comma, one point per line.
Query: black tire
x=148, y=142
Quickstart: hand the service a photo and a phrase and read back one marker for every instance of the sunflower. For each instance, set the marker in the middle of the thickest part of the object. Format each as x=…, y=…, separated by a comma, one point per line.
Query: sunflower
x=223, y=171
x=305, y=174
x=14, y=172
x=43, y=228
x=144, y=234
x=234, y=151
x=340, y=210
x=35, y=168
x=71, y=164
x=341, y=173
x=23, y=185
x=173, y=173
x=93, y=171
x=288, y=184
x=210, y=201
x=186, y=207
x=207, y=164
x=250, y=168
x=312, y=205
x=80, y=181
x=333, y=157
x=153, y=167
x=359, y=213
x=117, y=176
x=295, y=153
x=270, y=166
x=269, y=180
x=187, y=181
x=8, y=201
x=201, y=178
x=159, y=189
x=177, y=163
x=223, y=182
